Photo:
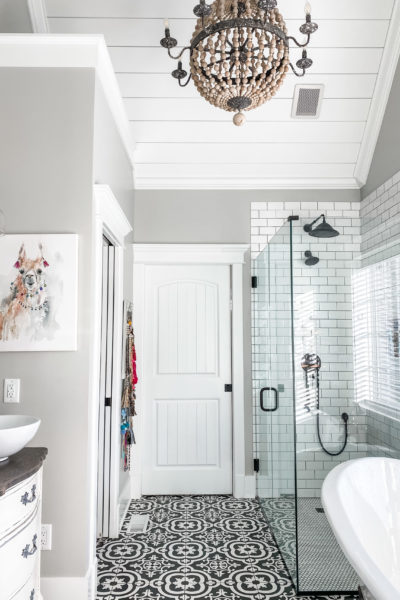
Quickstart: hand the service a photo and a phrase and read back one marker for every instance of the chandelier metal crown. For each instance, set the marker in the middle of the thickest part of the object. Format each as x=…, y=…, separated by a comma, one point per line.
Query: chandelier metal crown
x=239, y=53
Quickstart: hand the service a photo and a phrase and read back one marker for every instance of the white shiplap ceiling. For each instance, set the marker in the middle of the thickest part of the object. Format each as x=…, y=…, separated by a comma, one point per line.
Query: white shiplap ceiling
x=183, y=142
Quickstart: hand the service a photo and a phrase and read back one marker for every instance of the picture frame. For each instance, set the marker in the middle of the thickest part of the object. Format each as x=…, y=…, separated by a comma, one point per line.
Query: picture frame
x=38, y=292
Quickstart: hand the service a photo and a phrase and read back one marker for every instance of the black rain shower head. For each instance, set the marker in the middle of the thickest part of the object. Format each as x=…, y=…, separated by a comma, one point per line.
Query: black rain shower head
x=323, y=230
x=311, y=260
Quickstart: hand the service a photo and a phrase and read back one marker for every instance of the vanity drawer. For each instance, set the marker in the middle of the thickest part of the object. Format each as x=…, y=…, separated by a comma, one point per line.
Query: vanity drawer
x=29, y=591
x=19, y=556
x=19, y=503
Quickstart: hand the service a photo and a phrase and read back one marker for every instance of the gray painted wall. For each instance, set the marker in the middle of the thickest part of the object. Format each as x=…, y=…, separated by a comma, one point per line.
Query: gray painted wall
x=47, y=171
x=46, y=162
x=207, y=217
x=386, y=161
x=15, y=17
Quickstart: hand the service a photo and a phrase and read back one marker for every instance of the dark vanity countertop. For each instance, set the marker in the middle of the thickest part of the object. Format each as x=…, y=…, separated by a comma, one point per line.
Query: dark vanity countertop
x=20, y=466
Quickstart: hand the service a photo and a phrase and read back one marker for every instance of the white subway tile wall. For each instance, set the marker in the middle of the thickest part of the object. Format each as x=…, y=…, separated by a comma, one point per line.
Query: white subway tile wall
x=380, y=239
x=323, y=324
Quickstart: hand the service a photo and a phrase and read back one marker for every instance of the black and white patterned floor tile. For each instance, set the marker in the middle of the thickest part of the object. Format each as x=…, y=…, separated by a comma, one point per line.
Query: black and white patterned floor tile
x=195, y=547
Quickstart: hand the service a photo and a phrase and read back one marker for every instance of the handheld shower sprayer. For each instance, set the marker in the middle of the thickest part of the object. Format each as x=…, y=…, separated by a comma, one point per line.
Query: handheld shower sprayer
x=311, y=365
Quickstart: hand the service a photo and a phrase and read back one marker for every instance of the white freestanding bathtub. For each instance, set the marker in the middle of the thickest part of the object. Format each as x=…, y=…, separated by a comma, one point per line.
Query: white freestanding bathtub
x=362, y=503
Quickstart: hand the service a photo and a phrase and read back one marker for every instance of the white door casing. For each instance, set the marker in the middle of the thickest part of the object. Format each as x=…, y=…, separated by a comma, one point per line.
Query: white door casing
x=187, y=360
x=108, y=220
x=146, y=256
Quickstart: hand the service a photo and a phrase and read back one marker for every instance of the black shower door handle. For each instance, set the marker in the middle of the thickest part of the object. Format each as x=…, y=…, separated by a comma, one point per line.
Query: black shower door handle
x=276, y=393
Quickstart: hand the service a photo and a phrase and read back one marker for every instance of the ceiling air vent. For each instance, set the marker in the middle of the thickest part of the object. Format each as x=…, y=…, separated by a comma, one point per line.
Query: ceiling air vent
x=307, y=101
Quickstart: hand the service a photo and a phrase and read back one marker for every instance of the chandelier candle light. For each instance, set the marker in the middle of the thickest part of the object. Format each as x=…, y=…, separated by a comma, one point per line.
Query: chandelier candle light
x=239, y=53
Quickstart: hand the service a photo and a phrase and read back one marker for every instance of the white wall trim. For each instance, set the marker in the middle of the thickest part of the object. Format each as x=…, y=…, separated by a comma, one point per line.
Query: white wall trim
x=380, y=98
x=246, y=184
x=114, y=220
x=65, y=588
x=70, y=51
x=139, y=309
x=124, y=500
x=225, y=254
x=108, y=218
x=183, y=254
x=250, y=486
x=38, y=14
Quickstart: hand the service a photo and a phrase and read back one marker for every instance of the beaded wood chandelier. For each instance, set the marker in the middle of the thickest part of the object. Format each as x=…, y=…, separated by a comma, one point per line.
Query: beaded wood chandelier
x=239, y=53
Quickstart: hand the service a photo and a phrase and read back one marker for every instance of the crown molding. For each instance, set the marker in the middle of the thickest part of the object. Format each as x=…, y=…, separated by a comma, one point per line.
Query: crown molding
x=383, y=86
x=246, y=184
x=38, y=14
x=70, y=51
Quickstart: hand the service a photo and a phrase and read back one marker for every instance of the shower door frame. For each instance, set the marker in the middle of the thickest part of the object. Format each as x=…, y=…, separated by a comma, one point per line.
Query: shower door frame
x=296, y=580
x=289, y=220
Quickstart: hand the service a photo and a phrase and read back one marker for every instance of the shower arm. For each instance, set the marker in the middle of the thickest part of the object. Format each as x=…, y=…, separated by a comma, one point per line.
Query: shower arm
x=309, y=227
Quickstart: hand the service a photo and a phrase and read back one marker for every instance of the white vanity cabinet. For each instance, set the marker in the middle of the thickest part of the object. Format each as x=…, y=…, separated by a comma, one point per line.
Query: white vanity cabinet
x=20, y=532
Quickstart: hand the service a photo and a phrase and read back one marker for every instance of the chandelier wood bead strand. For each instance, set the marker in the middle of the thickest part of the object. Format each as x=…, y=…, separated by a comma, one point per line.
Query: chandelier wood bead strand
x=239, y=53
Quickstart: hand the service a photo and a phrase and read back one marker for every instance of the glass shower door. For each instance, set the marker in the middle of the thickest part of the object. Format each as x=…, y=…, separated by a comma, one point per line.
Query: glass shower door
x=273, y=390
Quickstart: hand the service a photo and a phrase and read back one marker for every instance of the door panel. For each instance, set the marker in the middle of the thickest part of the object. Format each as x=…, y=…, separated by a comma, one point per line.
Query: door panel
x=105, y=392
x=188, y=414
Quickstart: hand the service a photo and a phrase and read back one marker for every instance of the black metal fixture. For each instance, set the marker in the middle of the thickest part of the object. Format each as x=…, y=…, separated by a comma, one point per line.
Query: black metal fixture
x=239, y=53
x=276, y=396
x=323, y=230
x=311, y=260
x=311, y=365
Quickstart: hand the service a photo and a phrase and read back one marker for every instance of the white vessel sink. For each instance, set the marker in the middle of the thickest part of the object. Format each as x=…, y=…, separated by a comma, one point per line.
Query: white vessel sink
x=16, y=431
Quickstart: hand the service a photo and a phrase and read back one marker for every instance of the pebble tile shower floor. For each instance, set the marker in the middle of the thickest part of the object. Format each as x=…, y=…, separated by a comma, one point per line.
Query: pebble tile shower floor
x=195, y=547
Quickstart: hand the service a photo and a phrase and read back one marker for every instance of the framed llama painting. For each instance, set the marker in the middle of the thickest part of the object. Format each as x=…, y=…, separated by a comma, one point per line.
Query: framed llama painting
x=38, y=292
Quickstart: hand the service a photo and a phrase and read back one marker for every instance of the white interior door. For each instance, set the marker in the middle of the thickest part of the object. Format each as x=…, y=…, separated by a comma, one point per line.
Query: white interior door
x=187, y=363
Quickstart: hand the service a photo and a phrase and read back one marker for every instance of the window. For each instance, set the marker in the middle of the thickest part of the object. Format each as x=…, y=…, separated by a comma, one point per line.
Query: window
x=376, y=323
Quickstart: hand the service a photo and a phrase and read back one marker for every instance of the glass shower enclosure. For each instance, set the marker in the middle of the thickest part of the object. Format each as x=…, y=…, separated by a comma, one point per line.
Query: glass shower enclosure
x=287, y=324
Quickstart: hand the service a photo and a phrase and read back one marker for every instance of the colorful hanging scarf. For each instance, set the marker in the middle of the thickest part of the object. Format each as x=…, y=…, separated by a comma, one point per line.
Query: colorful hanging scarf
x=128, y=408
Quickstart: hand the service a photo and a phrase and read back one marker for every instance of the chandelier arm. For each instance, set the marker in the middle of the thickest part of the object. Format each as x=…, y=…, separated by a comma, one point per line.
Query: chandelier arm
x=179, y=55
x=186, y=82
x=295, y=72
x=290, y=37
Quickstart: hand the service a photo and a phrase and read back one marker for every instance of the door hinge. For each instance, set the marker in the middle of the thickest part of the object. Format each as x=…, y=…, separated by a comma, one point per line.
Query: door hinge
x=107, y=402
x=228, y=387
x=257, y=465
x=254, y=282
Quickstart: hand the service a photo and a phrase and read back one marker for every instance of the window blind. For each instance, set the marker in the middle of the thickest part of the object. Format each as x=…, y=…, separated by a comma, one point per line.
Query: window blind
x=376, y=325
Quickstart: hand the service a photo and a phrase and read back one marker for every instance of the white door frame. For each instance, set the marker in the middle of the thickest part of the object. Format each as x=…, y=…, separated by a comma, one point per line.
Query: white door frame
x=233, y=255
x=108, y=220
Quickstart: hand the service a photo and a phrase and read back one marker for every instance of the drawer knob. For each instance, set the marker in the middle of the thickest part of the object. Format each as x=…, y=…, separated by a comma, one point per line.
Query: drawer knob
x=25, y=498
x=27, y=551
x=31, y=597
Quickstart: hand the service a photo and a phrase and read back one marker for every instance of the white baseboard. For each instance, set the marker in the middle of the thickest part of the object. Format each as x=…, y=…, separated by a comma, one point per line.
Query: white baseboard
x=68, y=588
x=122, y=510
x=136, y=484
x=124, y=501
x=244, y=486
x=250, y=486
x=64, y=588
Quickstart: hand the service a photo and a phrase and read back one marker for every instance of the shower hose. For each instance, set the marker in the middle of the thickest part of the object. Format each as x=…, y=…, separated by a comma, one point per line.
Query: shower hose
x=345, y=418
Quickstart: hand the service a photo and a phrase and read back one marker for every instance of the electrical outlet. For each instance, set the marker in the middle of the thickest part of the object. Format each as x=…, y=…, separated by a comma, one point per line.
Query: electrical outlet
x=46, y=537
x=11, y=390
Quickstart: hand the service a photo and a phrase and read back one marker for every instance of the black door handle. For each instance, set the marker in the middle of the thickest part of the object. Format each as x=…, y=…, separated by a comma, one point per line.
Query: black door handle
x=276, y=393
